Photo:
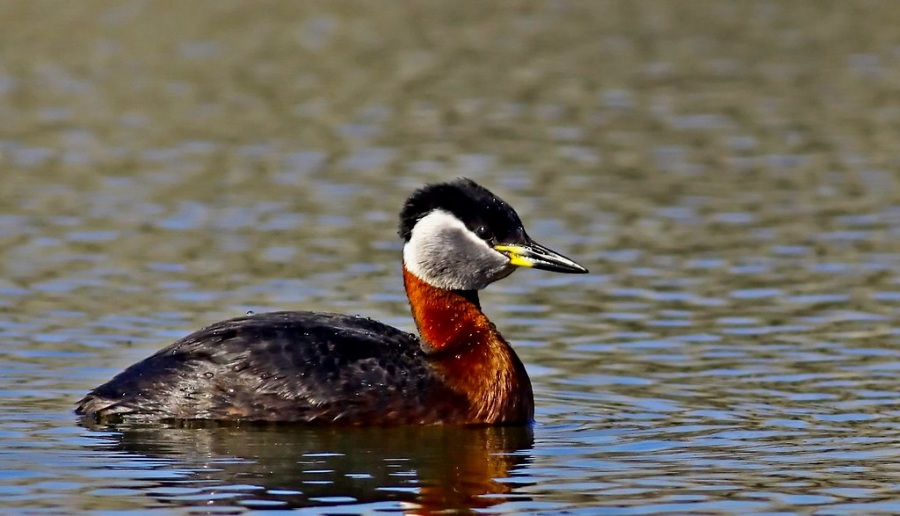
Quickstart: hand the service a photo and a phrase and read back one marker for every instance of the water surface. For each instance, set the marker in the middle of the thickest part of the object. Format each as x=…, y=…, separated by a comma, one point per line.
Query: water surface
x=727, y=171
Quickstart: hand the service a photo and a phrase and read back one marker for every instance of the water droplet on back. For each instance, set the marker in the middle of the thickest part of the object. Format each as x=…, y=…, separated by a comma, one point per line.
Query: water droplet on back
x=250, y=312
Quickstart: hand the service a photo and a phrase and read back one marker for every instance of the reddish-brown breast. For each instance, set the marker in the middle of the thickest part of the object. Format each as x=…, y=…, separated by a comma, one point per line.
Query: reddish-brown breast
x=470, y=353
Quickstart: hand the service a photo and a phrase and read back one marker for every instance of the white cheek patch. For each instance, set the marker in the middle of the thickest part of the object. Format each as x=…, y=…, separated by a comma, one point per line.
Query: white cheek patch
x=444, y=253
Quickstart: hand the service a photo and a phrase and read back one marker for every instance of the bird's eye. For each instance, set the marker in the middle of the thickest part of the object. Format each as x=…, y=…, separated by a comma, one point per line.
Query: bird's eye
x=484, y=233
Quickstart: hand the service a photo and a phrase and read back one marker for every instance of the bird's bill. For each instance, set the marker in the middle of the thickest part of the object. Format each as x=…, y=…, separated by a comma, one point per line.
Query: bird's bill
x=536, y=256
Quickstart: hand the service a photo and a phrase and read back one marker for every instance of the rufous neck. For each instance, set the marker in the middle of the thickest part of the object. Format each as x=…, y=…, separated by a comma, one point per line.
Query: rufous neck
x=448, y=320
x=469, y=354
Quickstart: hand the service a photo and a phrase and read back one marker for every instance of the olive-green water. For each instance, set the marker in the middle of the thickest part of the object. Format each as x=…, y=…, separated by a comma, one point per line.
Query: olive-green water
x=729, y=171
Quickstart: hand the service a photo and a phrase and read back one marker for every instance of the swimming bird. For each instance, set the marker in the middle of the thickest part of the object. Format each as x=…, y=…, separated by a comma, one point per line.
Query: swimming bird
x=328, y=368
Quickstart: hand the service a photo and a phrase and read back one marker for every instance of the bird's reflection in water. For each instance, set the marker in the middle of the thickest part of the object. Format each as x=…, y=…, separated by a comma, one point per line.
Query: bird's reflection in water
x=419, y=469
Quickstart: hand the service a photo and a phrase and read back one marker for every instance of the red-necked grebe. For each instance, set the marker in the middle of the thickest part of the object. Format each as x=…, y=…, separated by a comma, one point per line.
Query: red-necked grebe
x=340, y=369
